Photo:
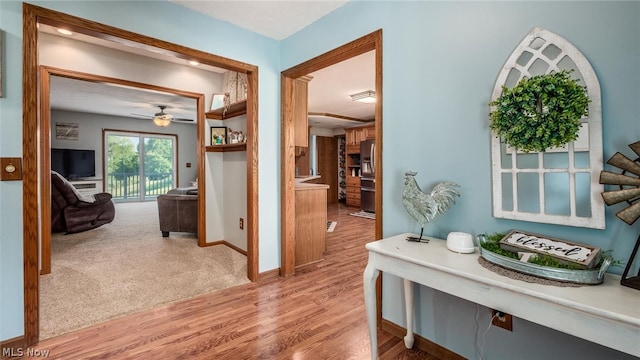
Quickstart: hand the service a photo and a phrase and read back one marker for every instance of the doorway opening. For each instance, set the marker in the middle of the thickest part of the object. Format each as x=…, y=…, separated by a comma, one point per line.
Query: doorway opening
x=372, y=41
x=36, y=132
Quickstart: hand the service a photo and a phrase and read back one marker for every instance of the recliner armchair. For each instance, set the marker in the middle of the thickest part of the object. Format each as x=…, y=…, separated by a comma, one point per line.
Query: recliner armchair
x=178, y=211
x=70, y=213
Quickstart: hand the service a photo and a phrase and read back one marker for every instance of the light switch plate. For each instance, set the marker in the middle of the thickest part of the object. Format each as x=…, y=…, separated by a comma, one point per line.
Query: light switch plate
x=10, y=169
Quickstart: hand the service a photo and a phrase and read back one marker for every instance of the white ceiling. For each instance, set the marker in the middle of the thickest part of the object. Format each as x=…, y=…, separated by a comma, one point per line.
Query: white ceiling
x=273, y=18
x=115, y=100
x=329, y=89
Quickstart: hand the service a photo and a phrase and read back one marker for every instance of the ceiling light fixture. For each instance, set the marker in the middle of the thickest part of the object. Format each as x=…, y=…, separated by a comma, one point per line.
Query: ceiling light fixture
x=65, y=32
x=194, y=63
x=162, y=119
x=367, y=97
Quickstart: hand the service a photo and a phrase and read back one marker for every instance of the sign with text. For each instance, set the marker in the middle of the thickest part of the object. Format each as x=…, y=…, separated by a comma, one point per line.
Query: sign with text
x=567, y=252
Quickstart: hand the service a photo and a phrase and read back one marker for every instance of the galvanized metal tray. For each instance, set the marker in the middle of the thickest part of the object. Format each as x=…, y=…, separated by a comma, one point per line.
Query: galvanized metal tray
x=592, y=277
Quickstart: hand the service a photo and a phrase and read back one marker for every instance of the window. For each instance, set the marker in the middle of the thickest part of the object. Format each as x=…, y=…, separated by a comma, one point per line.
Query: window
x=139, y=166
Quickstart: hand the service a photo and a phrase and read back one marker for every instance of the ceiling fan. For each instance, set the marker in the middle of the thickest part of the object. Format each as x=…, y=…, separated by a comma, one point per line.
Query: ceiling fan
x=162, y=118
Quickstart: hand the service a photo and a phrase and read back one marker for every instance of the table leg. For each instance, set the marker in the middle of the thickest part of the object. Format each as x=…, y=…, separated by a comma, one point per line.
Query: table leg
x=370, y=276
x=408, y=303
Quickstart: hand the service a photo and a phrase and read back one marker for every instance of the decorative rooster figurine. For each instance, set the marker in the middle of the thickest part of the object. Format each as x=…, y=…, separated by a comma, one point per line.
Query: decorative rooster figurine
x=424, y=207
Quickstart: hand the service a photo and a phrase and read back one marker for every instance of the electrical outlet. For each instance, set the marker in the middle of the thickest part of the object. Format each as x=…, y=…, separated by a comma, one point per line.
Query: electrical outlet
x=241, y=223
x=503, y=320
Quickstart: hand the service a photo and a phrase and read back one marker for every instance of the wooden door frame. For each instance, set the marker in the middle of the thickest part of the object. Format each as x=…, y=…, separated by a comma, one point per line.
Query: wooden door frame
x=37, y=192
x=372, y=41
x=45, y=127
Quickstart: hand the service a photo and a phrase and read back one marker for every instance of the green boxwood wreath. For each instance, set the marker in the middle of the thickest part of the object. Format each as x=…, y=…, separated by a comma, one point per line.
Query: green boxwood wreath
x=540, y=112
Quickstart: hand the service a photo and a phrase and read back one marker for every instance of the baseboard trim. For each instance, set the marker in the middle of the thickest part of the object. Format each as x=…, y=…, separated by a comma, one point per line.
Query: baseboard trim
x=243, y=252
x=269, y=275
x=16, y=344
x=214, y=243
x=226, y=243
x=421, y=343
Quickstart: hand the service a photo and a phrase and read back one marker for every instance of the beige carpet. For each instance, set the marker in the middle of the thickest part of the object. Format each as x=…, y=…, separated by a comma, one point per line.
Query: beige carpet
x=127, y=266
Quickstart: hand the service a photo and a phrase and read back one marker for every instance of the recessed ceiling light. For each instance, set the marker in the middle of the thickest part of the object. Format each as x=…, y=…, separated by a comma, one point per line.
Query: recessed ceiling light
x=65, y=32
x=194, y=63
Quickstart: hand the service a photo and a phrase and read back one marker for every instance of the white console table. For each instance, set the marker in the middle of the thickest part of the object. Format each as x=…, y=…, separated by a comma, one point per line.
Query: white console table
x=88, y=187
x=606, y=314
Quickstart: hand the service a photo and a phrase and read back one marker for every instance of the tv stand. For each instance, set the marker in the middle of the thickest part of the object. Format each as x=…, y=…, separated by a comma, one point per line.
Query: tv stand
x=88, y=187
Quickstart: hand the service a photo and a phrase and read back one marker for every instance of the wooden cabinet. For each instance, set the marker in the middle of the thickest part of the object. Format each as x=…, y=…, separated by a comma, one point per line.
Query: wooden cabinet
x=353, y=191
x=353, y=136
x=353, y=181
x=311, y=222
x=369, y=133
x=350, y=137
x=300, y=111
x=353, y=149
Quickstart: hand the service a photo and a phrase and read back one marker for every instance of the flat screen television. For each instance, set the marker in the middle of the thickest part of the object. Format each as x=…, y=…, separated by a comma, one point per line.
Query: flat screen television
x=73, y=163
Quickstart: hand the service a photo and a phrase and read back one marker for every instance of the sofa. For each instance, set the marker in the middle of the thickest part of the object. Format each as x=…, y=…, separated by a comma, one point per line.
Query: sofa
x=73, y=212
x=178, y=211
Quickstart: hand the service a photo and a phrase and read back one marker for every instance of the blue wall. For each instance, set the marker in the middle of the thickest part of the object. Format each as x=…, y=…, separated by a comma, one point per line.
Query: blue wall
x=440, y=62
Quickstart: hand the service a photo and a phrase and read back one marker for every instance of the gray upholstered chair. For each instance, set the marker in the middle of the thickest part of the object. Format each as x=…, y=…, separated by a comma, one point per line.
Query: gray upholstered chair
x=178, y=211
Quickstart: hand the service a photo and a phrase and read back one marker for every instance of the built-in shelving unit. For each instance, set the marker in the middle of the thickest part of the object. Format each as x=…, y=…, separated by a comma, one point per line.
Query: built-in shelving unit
x=353, y=137
x=236, y=109
x=226, y=147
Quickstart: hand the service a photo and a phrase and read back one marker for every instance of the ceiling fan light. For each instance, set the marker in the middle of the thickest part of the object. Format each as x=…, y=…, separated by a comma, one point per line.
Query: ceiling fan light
x=162, y=120
x=367, y=97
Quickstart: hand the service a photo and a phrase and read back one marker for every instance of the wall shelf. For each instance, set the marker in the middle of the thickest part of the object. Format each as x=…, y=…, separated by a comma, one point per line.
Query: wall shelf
x=236, y=109
x=227, y=147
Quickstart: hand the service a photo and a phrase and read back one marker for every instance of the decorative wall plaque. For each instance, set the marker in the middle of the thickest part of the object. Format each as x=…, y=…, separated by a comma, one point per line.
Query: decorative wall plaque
x=67, y=131
x=583, y=256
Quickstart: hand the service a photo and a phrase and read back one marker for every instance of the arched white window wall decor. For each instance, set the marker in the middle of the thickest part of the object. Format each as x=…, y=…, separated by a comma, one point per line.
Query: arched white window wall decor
x=560, y=185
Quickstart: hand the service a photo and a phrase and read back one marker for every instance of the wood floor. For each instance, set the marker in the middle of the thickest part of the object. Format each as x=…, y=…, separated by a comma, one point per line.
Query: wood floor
x=316, y=314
